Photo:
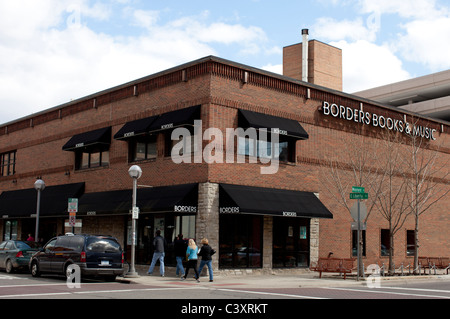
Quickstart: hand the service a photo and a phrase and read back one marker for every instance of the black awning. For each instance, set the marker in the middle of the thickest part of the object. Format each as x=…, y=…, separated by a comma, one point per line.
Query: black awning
x=98, y=139
x=275, y=124
x=178, y=118
x=236, y=199
x=135, y=128
x=178, y=199
x=54, y=201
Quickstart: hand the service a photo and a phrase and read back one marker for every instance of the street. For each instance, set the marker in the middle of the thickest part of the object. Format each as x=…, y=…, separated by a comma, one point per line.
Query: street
x=23, y=286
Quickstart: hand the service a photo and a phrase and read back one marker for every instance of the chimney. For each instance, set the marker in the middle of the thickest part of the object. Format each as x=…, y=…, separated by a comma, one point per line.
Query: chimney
x=305, y=58
x=314, y=62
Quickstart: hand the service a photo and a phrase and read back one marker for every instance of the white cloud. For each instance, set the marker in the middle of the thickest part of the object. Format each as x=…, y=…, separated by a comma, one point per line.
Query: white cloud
x=426, y=42
x=367, y=65
x=334, y=30
x=48, y=50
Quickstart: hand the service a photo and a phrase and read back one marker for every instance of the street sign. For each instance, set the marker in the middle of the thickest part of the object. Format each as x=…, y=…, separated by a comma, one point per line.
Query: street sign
x=135, y=212
x=73, y=205
x=362, y=211
x=359, y=196
x=72, y=219
x=357, y=189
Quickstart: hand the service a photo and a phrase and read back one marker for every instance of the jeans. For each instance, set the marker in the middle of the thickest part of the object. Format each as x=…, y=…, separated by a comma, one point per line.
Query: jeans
x=180, y=266
x=157, y=256
x=209, y=264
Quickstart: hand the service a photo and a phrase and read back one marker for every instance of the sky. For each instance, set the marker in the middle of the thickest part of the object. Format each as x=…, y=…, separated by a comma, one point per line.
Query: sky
x=56, y=51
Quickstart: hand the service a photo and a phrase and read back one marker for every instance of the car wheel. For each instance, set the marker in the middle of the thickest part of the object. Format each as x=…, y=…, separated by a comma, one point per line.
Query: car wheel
x=9, y=267
x=35, y=271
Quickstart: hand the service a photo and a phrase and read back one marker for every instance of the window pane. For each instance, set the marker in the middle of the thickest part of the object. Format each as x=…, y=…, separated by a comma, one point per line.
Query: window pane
x=410, y=243
x=152, y=151
x=85, y=160
x=140, y=152
x=264, y=149
x=95, y=160
x=105, y=158
x=385, y=242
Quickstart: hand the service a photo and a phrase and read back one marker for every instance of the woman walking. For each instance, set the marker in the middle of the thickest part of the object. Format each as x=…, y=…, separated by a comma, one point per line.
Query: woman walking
x=191, y=254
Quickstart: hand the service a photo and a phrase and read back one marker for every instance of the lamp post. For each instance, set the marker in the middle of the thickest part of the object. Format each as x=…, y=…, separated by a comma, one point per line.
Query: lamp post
x=39, y=185
x=135, y=173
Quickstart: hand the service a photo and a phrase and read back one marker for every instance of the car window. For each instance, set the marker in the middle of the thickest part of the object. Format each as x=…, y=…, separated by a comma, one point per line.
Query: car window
x=77, y=243
x=50, y=245
x=102, y=245
x=22, y=245
x=10, y=246
x=63, y=244
x=2, y=245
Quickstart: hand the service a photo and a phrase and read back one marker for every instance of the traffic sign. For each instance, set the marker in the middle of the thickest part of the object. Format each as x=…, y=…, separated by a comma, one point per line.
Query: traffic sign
x=357, y=189
x=73, y=205
x=362, y=211
x=359, y=196
x=72, y=219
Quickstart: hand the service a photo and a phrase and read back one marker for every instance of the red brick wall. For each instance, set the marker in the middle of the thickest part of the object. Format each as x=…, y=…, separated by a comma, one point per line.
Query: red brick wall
x=218, y=87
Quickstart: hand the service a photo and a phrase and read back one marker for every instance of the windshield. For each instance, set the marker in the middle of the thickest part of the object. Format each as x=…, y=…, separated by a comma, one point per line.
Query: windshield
x=102, y=245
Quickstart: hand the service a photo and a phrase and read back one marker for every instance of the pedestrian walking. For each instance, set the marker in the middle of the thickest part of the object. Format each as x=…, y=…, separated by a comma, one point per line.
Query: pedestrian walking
x=159, y=245
x=180, y=247
x=206, y=253
x=191, y=254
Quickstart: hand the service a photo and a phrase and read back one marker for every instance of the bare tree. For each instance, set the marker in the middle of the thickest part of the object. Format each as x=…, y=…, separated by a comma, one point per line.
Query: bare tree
x=427, y=180
x=393, y=200
x=357, y=164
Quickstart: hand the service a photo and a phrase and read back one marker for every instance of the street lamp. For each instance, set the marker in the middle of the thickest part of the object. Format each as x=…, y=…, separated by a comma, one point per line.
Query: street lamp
x=39, y=185
x=135, y=173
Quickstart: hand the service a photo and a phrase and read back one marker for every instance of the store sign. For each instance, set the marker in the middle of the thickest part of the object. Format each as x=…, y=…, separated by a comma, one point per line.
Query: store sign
x=229, y=210
x=376, y=120
x=185, y=209
x=289, y=214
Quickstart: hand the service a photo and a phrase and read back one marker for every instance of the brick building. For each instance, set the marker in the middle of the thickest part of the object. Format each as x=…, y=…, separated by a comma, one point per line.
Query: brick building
x=83, y=149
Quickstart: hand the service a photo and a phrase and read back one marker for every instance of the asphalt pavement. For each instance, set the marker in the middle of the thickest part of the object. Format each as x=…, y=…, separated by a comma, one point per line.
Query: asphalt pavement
x=302, y=279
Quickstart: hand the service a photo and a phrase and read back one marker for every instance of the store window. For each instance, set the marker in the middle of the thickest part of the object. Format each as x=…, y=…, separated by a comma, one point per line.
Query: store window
x=290, y=242
x=284, y=150
x=240, y=240
x=410, y=243
x=10, y=230
x=85, y=160
x=385, y=242
x=144, y=149
x=8, y=164
x=184, y=145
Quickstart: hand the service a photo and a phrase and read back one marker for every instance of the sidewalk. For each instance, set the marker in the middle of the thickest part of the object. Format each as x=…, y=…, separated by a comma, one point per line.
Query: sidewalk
x=302, y=280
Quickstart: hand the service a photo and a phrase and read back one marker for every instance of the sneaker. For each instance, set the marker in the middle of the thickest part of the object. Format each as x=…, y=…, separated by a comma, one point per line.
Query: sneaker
x=198, y=280
x=183, y=278
x=211, y=280
x=149, y=274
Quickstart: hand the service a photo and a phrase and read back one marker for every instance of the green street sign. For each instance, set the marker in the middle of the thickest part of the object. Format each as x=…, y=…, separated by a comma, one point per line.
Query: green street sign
x=357, y=189
x=359, y=196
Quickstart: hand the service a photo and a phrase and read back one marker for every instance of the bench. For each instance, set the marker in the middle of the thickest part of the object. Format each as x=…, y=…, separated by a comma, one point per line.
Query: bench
x=337, y=265
x=434, y=263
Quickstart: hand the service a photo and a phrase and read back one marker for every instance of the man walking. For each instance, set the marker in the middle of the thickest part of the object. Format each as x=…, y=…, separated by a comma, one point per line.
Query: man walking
x=159, y=245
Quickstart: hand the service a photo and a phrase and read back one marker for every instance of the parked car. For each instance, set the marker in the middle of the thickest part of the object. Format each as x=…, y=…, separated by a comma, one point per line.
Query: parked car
x=15, y=254
x=95, y=255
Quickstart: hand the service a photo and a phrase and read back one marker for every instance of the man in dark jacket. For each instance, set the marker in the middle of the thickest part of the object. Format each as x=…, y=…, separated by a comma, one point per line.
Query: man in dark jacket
x=180, y=253
x=206, y=252
x=159, y=245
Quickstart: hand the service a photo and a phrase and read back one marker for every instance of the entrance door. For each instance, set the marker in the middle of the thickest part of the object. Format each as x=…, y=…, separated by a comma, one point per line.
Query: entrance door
x=290, y=242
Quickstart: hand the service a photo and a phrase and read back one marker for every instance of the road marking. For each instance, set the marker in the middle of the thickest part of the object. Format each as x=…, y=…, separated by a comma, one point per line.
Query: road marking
x=270, y=294
x=377, y=291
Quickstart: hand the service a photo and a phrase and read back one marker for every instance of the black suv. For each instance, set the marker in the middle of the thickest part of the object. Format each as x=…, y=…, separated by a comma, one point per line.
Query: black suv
x=95, y=255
